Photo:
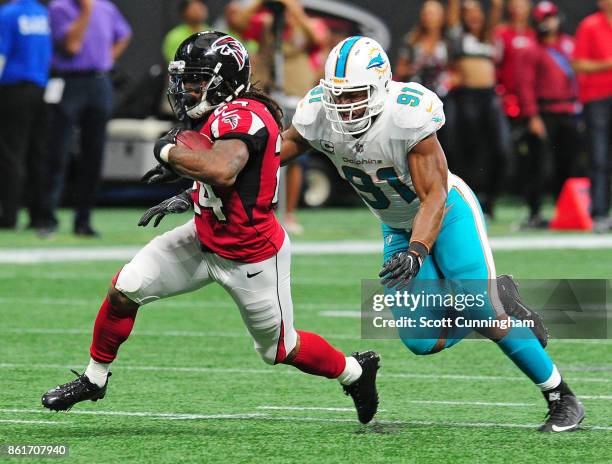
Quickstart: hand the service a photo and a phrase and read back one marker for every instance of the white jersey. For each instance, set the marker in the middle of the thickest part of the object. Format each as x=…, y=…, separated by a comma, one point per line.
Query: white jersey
x=376, y=162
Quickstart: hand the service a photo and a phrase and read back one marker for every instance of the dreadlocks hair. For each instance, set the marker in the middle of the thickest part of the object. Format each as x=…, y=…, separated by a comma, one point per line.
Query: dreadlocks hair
x=255, y=93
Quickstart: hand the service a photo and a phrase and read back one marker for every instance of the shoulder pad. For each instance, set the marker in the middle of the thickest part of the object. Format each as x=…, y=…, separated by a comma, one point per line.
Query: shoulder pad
x=307, y=113
x=414, y=106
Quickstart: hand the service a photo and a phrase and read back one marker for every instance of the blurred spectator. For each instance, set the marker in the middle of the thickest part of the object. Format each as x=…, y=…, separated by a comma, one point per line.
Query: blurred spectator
x=513, y=38
x=88, y=36
x=548, y=96
x=300, y=39
x=423, y=56
x=233, y=13
x=194, y=14
x=25, y=55
x=483, y=145
x=593, y=62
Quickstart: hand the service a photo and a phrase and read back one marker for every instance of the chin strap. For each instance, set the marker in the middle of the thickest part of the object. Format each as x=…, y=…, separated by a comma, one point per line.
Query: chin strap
x=201, y=108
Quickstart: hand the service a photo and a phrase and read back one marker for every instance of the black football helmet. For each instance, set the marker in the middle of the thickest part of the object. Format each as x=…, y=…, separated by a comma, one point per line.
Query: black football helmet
x=209, y=68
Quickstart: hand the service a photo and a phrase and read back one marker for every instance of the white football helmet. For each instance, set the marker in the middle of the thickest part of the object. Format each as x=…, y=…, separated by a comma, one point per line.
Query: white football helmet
x=357, y=64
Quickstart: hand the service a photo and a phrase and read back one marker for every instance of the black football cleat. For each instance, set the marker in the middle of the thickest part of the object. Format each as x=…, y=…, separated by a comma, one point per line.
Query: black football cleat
x=507, y=289
x=363, y=391
x=565, y=411
x=63, y=397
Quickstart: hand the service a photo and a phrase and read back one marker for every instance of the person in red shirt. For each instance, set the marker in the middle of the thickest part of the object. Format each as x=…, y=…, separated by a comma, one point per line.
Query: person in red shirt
x=234, y=239
x=593, y=62
x=547, y=94
x=512, y=37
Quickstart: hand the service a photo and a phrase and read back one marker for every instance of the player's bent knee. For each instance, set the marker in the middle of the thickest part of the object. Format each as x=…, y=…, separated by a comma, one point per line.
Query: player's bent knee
x=495, y=333
x=277, y=346
x=267, y=340
x=119, y=301
x=268, y=354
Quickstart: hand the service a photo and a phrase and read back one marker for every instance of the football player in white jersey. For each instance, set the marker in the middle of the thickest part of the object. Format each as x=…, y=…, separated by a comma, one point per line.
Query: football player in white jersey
x=381, y=136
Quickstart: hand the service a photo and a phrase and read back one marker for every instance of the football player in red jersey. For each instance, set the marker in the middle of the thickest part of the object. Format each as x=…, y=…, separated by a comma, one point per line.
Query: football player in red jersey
x=234, y=238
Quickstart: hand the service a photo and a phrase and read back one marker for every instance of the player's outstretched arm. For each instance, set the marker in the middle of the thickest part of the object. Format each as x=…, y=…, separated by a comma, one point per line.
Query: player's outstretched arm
x=219, y=165
x=429, y=173
x=293, y=145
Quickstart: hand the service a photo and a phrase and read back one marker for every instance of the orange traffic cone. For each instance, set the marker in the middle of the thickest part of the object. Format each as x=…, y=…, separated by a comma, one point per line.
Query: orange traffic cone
x=572, y=210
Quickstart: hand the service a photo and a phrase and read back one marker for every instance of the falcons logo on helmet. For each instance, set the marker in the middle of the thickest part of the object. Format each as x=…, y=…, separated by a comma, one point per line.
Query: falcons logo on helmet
x=229, y=46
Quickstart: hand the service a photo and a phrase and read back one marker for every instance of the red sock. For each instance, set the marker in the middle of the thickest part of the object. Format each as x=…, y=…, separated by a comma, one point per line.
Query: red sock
x=318, y=357
x=112, y=327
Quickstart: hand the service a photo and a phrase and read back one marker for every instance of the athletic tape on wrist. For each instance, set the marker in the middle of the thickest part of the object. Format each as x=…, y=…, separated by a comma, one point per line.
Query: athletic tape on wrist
x=165, y=152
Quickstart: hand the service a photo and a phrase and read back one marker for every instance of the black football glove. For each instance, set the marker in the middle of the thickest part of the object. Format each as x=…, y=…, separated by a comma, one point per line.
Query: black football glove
x=175, y=205
x=168, y=139
x=160, y=174
x=403, y=266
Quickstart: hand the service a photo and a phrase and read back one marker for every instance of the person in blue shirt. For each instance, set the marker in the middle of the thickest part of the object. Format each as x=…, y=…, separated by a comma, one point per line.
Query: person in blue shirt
x=25, y=55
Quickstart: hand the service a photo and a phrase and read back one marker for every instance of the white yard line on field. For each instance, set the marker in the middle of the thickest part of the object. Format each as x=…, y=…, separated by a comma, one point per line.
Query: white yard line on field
x=308, y=408
x=429, y=402
x=21, y=273
x=29, y=422
x=348, y=314
x=265, y=417
x=181, y=333
x=433, y=402
x=150, y=333
x=472, y=403
x=169, y=415
x=171, y=303
x=343, y=247
x=288, y=371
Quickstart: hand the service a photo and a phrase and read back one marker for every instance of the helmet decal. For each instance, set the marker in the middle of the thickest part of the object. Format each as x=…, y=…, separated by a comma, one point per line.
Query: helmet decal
x=343, y=55
x=229, y=46
x=377, y=62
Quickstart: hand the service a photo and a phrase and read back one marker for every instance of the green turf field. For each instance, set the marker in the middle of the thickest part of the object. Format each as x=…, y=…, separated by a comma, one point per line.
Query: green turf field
x=118, y=227
x=188, y=386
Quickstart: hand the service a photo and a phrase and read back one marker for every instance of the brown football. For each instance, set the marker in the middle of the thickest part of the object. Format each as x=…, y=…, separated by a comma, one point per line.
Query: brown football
x=193, y=140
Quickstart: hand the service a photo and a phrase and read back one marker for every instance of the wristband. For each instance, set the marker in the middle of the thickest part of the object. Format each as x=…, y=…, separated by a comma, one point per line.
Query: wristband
x=164, y=152
x=419, y=249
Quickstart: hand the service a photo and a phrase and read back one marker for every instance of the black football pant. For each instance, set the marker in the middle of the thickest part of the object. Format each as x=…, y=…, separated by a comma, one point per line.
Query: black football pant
x=87, y=104
x=482, y=147
x=598, y=116
x=22, y=149
x=536, y=156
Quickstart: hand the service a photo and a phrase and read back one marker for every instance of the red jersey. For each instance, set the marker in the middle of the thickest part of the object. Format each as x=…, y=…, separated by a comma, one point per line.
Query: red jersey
x=238, y=222
x=511, y=42
x=594, y=42
x=548, y=83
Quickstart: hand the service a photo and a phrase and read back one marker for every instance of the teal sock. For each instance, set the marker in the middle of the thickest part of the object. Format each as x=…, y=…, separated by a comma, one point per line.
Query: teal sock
x=524, y=349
